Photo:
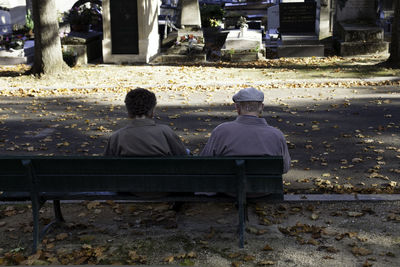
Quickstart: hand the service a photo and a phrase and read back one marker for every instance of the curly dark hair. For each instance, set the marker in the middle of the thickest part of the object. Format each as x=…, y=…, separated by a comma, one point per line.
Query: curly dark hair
x=140, y=102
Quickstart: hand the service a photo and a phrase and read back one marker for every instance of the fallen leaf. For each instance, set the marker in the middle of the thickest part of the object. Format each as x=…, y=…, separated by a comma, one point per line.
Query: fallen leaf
x=355, y=214
x=267, y=248
x=314, y=216
x=61, y=236
x=360, y=251
x=265, y=263
x=367, y=264
x=92, y=204
x=169, y=259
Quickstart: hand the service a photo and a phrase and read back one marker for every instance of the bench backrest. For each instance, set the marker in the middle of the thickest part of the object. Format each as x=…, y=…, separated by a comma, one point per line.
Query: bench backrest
x=13, y=175
x=142, y=174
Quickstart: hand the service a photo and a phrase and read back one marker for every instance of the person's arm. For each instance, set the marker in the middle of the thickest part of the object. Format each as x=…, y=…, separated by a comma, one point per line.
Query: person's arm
x=286, y=156
x=209, y=148
x=176, y=145
x=108, y=150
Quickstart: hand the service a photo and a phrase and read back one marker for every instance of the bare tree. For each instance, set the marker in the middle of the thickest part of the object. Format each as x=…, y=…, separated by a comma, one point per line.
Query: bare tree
x=48, y=54
x=394, y=58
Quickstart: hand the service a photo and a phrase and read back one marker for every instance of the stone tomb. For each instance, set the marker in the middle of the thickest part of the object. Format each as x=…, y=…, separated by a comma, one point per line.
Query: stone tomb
x=361, y=39
x=189, y=45
x=254, y=11
x=243, y=46
x=85, y=45
x=356, y=32
x=130, y=29
x=297, y=23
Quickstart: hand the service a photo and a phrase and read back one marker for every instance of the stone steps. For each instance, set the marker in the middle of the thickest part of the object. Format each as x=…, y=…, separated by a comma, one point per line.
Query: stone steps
x=363, y=48
x=301, y=50
x=181, y=58
x=359, y=39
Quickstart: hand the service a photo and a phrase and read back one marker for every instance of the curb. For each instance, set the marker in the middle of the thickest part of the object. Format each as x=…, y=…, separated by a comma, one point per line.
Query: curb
x=341, y=197
x=286, y=198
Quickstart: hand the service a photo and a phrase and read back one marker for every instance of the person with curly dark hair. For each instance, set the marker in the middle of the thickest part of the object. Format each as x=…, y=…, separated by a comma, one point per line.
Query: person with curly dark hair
x=142, y=136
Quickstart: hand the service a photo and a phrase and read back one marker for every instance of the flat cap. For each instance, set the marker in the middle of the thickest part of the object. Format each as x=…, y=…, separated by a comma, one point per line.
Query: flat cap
x=248, y=94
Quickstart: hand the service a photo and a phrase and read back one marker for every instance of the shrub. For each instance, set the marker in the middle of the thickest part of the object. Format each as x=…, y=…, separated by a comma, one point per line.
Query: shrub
x=211, y=15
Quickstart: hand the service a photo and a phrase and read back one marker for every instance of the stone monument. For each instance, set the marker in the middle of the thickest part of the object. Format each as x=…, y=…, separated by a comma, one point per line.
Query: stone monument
x=5, y=21
x=243, y=45
x=190, y=21
x=297, y=28
x=355, y=31
x=190, y=40
x=130, y=30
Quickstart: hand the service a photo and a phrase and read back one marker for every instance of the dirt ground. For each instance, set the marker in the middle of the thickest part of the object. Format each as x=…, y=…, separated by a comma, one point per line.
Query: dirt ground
x=341, y=120
x=343, y=133
x=285, y=234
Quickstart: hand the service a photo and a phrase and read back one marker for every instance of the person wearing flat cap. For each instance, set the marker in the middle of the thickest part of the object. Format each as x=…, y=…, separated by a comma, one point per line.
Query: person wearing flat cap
x=248, y=135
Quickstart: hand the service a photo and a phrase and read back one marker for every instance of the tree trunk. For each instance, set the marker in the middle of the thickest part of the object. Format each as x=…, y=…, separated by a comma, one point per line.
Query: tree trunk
x=48, y=54
x=394, y=58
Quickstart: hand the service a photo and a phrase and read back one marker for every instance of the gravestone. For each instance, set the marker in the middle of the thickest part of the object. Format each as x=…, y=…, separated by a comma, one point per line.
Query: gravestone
x=190, y=22
x=255, y=12
x=273, y=17
x=297, y=17
x=326, y=18
x=124, y=27
x=130, y=31
x=241, y=47
x=17, y=10
x=356, y=32
x=355, y=10
x=85, y=45
x=190, y=39
x=190, y=14
x=5, y=22
x=298, y=30
x=386, y=15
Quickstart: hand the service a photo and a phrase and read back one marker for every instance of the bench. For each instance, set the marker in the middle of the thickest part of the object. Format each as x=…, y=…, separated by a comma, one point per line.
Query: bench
x=39, y=179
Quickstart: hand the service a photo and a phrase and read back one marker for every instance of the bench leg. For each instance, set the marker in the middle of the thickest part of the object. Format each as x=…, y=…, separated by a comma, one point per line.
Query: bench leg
x=241, y=223
x=58, y=218
x=241, y=198
x=35, y=215
x=57, y=211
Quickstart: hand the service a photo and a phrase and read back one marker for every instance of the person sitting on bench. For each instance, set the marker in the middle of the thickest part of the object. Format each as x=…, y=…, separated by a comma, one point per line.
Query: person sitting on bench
x=142, y=136
x=248, y=135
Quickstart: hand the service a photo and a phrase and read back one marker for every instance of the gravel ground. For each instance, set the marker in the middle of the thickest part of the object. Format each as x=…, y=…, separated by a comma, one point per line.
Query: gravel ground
x=343, y=136
x=284, y=234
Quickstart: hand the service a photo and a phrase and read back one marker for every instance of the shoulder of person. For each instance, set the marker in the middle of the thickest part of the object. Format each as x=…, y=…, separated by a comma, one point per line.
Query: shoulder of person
x=224, y=126
x=117, y=132
x=164, y=128
x=276, y=131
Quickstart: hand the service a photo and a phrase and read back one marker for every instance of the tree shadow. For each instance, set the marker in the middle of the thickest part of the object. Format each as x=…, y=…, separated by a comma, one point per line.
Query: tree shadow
x=337, y=140
x=13, y=72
